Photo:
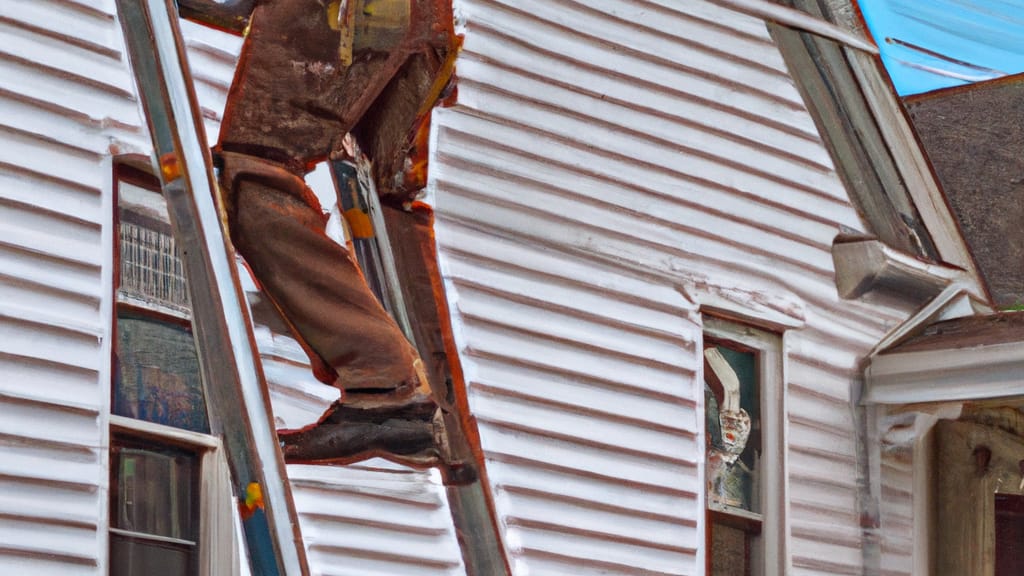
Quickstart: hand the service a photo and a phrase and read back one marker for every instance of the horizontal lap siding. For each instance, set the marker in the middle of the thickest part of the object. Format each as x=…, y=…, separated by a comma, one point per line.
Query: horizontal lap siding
x=66, y=100
x=577, y=376
x=375, y=519
x=602, y=154
x=897, y=510
x=212, y=56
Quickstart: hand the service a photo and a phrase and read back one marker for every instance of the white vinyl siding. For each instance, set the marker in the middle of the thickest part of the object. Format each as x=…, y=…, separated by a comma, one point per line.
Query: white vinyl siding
x=610, y=168
x=65, y=101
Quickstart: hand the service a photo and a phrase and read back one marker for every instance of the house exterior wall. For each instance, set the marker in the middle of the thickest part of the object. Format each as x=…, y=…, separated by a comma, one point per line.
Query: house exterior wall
x=375, y=519
x=612, y=169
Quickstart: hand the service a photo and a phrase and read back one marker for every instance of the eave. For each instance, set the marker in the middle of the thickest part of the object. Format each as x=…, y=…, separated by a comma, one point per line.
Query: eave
x=988, y=371
x=970, y=358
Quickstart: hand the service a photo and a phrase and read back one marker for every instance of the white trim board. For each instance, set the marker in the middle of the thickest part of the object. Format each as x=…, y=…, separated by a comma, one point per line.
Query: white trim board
x=941, y=375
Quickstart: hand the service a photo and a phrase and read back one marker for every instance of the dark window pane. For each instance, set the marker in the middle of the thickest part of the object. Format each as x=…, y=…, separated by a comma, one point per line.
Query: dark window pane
x=1009, y=534
x=138, y=557
x=155, y=491
x=733, y=423
x=159, y=374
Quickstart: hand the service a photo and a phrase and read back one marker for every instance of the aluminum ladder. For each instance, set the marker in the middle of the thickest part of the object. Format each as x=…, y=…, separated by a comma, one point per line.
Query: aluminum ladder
x=232, y=375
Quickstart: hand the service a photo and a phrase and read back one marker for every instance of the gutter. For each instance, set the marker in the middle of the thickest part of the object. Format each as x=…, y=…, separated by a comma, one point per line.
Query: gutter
x=993, y=371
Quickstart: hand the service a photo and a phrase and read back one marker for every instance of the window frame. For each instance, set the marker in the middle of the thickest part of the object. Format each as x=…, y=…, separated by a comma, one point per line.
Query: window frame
x=125, y=433
x=217, y=549
x=769, y=554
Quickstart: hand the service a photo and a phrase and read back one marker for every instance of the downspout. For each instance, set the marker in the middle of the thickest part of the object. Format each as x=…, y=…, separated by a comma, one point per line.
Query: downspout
x=869, y=483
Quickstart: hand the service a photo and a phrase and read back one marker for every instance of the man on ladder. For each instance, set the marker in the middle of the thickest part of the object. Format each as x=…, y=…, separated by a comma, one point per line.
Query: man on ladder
x=310, y=72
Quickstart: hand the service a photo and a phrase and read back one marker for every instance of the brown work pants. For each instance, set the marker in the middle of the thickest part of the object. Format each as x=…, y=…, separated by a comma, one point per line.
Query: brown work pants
x=277, y=225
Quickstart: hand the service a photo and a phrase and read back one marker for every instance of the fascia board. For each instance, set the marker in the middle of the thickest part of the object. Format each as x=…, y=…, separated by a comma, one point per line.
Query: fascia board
x=943, y=375
x=915, y=169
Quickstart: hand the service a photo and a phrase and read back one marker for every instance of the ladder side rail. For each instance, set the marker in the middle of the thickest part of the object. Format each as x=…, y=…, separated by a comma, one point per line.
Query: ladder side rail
x=232, y=375
x=473, y=516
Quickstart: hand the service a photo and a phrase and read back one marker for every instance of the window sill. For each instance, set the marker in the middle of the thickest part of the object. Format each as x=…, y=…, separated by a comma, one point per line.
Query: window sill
x=162, y=432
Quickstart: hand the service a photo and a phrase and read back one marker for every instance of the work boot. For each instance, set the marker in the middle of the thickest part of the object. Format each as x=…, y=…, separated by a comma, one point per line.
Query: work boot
x=413, y=434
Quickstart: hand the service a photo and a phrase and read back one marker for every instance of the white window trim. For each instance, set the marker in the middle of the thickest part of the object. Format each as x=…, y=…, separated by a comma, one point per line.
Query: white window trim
x=218, y=548
x=772, y=547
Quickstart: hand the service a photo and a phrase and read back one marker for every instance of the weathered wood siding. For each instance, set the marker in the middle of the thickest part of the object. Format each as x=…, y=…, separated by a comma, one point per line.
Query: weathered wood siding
x=611, y=166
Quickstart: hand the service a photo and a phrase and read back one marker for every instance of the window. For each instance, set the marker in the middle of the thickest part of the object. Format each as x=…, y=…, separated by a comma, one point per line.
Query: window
x=1009, y=534
x=169, y=488
x=153, y=515
x=744, y=455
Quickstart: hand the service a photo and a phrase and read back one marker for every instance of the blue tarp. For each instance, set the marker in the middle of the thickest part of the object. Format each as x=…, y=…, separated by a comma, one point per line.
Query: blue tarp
x=932, y=44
